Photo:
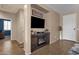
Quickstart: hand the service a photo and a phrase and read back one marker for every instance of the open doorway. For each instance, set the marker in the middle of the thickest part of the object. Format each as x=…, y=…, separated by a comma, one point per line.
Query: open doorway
x=12, y=29
x=5, y=29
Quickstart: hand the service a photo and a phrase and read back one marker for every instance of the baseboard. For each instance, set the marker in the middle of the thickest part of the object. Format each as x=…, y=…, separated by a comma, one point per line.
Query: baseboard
x=76, y=41
x=71, y=41
x=28, y=53
x=54, y=41
x=19, y=42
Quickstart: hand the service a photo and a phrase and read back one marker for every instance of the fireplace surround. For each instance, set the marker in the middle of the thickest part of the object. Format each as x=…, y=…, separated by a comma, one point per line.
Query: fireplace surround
x=39, y=39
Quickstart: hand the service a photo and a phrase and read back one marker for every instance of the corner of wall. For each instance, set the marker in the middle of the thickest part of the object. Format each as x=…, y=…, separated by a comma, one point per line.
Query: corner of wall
x=53, y=41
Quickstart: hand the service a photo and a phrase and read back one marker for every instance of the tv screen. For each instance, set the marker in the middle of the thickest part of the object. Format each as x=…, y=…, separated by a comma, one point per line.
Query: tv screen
x=37, y=22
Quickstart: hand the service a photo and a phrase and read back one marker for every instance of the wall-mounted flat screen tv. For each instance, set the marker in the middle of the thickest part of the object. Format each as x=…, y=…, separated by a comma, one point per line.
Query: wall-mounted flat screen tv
x=37, y=22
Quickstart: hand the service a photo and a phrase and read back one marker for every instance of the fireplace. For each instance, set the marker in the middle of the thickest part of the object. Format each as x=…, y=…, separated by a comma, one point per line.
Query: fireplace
x=39, y=39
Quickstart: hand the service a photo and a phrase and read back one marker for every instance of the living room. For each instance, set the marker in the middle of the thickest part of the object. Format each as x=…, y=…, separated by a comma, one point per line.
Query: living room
x=39, y=29
x=18, y=14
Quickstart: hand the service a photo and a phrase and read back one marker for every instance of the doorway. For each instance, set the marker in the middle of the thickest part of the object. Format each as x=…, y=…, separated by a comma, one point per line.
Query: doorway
x=69, y=27
x=5, y=29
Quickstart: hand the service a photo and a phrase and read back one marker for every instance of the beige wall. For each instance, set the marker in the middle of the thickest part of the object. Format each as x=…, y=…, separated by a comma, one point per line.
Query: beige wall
x=77, y=26
x=19, y=26
x=52, y=24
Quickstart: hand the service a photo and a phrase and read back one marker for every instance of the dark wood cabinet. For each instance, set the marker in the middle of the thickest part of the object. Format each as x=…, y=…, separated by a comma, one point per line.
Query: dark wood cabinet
x=1, y=35
x=33, y=42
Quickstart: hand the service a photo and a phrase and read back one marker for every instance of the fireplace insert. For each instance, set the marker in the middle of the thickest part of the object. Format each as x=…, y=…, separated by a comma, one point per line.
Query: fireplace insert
x=41, y=36
x=39, y=39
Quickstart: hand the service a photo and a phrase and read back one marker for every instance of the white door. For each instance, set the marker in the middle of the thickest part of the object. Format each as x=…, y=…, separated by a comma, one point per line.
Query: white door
x=69, y=27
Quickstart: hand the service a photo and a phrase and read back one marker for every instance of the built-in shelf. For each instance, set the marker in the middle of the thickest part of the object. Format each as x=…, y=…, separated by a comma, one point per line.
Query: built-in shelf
x=39, y=8
x=38, y=11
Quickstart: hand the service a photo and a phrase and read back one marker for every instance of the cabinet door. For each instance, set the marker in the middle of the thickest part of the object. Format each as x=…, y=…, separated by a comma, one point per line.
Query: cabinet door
x=47, y=37
x=33, y=43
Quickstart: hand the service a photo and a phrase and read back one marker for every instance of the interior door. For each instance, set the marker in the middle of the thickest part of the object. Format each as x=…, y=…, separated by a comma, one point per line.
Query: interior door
x=69, y=27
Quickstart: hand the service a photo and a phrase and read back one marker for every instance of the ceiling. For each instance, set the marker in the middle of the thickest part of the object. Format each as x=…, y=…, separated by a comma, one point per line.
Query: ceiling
x=60, y=8
x=64, y=8
x=11, y=8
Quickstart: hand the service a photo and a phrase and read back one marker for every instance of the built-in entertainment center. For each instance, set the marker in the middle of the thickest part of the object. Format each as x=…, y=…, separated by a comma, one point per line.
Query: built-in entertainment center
x=38, y=38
